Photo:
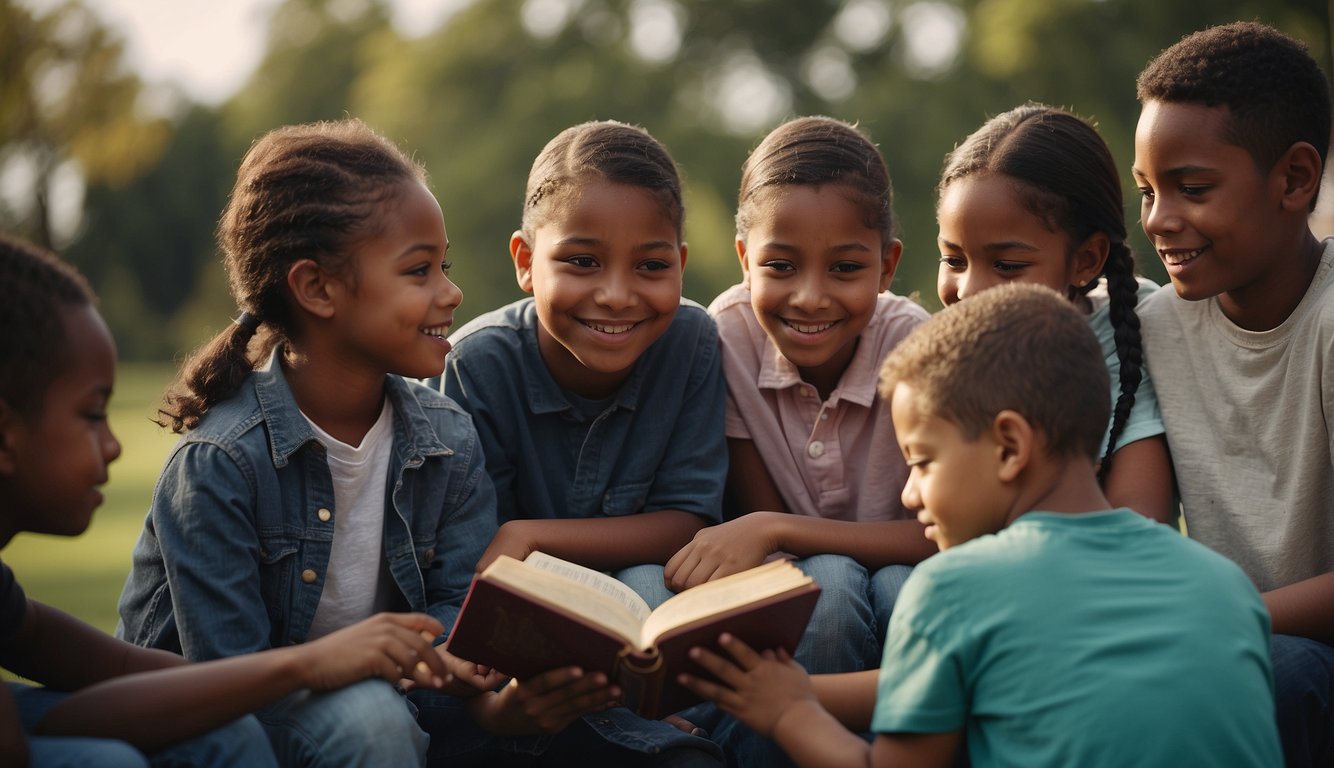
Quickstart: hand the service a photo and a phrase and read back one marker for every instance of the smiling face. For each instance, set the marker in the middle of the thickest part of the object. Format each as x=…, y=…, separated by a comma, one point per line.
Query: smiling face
x=814, y=269
x=605, y=272
x=988, y=237
x=1211, y=214
x=396, y=310
x=953, y=482
x=55, y=461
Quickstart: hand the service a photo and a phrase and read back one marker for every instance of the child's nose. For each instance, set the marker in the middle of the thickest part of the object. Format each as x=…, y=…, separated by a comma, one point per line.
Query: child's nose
x=1159, y=217
x=809, y=293
x=110, y=447
x=614, y=292
x=449, y=293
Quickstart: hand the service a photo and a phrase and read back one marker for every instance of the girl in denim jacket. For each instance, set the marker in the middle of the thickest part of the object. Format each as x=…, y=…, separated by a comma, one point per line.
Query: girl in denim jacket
x=314, y=485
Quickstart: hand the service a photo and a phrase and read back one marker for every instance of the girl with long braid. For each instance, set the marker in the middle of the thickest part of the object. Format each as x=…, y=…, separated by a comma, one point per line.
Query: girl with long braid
x=1033, y=196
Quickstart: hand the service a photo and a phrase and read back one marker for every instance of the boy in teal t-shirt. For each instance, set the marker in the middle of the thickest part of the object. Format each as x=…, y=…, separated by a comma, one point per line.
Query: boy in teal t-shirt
x=1050, y=630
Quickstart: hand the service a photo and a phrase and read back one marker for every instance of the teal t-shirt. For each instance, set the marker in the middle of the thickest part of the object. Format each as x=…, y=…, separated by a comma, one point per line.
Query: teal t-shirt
x=1098, y=639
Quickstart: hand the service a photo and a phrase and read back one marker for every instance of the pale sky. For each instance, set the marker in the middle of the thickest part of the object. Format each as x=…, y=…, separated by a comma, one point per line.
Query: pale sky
x=211, y=46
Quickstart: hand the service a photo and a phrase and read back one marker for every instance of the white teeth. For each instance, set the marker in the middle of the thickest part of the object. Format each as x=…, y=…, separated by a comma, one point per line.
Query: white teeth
x=805, y=328
x=612, y=329
x=1177, y=258
x=439, y=331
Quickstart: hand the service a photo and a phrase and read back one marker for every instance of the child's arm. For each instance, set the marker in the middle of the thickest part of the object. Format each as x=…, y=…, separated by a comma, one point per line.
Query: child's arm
x=1141, y=479
x=746, y=541
x=152, y=698
x=772, y=694
x=748, y=479
x=1305, y=609
x=604, y=543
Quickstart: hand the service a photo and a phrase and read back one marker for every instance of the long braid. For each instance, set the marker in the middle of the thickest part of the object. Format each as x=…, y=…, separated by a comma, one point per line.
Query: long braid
x=1123, y=295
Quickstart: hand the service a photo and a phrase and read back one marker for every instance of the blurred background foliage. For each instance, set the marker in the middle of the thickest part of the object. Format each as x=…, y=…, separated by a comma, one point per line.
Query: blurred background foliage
x=128, y=180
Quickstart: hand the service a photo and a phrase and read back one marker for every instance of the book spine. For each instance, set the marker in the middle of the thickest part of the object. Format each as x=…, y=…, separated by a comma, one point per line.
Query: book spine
x=640, y=676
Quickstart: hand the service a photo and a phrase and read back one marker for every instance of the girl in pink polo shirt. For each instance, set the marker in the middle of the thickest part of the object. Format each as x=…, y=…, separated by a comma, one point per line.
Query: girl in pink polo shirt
x=815, y=469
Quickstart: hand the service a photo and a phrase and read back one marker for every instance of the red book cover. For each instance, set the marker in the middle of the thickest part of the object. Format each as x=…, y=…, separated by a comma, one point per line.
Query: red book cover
x=523, y=635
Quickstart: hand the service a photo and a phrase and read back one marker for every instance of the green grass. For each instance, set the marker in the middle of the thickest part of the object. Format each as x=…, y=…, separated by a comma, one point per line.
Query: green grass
x=83, y=575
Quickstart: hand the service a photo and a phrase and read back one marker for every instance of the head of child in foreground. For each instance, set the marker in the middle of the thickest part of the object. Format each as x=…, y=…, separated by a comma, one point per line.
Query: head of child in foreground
x=1229, y=151
x=601, y=251
x=815, y=236
x=987, y=395
x=1032, y=196
x=330, y=230
x=57, y=366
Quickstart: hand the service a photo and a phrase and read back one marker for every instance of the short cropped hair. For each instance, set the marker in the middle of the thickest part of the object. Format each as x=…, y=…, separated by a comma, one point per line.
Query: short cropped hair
x=34, y=346
x=1018, y=347
x=1275, y=91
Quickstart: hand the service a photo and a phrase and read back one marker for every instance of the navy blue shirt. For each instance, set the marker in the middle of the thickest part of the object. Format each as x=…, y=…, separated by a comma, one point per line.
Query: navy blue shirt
x=656, y=444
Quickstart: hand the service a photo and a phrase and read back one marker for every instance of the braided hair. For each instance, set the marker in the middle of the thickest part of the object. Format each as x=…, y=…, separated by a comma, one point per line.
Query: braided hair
x=302, y=192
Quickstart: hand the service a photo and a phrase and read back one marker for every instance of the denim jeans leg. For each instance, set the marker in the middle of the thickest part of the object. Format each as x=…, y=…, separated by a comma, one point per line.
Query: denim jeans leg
x=240, y=744
x=365, y=724
x=841, y=633
x=648, y=581
x=67, y=751
x=886, y=583
x=1304, y=699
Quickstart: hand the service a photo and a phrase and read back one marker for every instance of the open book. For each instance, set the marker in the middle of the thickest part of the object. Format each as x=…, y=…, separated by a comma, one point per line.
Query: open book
x=531, y=616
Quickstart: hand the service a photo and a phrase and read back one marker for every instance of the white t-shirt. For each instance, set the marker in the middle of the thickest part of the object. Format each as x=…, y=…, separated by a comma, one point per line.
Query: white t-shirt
x=1250, y=423
x=357, y=583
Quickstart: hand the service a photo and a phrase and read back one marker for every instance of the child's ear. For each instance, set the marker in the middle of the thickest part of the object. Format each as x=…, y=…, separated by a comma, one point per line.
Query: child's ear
x=889, y=262
x=745, y=265
x=311, y=288
x=521, y=251
x=684, y=251
x=1301, y=170
x=1014, y=440
x=1090, y=257
x=10, y=423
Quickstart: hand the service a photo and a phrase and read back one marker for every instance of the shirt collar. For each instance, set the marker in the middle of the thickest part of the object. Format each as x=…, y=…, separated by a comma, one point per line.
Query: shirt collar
x=858, y=384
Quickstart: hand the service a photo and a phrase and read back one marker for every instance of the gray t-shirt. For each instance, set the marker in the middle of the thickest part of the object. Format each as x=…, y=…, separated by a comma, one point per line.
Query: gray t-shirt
x=1250, y=423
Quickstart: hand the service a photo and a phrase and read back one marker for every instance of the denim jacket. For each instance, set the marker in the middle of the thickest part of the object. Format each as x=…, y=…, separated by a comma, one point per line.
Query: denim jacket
x=237, y=539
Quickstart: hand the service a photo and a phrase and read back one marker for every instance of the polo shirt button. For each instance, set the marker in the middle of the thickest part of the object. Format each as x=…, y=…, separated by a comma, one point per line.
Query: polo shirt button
x=308, y=576
x=323, y=514
x=815, y=449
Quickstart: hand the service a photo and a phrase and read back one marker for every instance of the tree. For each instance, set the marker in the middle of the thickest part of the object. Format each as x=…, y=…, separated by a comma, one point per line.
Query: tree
x=68, y=113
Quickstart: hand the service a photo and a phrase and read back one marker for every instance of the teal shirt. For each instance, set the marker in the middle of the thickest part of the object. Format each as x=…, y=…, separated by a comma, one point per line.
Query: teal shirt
x=1098, y=639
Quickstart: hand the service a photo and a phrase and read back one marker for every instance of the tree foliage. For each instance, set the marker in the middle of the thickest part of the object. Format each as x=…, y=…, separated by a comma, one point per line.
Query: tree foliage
x=477, y=98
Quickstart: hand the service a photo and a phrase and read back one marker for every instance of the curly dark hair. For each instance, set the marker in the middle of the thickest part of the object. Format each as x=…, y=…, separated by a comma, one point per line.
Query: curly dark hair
x=302, y=192
x=1275, y=91
x=33, y=349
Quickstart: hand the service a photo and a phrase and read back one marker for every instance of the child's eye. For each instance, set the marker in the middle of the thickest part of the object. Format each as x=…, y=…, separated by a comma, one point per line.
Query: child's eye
x=779, y=266
x=655, y=265
x=445, y=266
x=1010, y=267
x=419, y=270
x=954, y=263
x=847, y=267
x=1146, y=193
x=583, y=262
x=1194, y=190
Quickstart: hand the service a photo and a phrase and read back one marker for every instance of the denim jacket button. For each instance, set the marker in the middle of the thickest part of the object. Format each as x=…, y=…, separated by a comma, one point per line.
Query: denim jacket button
x=308, y=576
x=430, y=554
x=323, y=514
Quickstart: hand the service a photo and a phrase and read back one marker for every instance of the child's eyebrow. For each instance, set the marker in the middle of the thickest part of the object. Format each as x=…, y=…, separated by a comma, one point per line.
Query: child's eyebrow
x=1180, y=170
x=1003, y=245
x=412, y=250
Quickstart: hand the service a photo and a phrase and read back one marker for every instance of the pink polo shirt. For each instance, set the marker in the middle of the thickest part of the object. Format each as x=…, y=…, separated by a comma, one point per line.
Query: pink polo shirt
x=838, y=458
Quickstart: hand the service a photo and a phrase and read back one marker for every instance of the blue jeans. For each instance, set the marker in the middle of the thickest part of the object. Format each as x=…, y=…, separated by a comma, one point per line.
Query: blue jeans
x=365, y=724
x=240, y=743
x=1304, y=699
x=886, y=584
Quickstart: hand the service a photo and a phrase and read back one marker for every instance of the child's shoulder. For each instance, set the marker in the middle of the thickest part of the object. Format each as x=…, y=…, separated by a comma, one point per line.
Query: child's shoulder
x=502, y=325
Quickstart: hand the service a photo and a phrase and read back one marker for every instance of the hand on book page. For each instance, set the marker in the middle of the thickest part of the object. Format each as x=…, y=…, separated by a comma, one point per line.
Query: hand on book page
x=526, y=618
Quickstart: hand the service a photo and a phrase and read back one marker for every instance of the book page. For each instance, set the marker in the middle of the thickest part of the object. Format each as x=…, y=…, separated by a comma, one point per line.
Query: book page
x=594, y=580
x=550, y=586
x=722, y=595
